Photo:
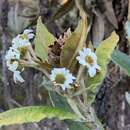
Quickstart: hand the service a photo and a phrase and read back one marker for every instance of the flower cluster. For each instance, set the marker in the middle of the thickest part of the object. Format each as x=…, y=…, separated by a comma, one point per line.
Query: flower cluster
x=62, y=76
x=89, y=59
x=13, y=55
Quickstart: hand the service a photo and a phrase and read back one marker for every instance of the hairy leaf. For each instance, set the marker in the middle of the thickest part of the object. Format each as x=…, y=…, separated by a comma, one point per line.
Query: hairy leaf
x=43, y=39
x=33, y=114
x=122, y=60
x=61, y=102
x=103, y=52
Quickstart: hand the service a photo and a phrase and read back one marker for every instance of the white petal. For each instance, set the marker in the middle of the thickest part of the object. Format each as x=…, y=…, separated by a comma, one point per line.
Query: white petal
x=12, y=54
x=68, y=76
x=93, y=55
x=18, y=77
x=92, y=71
x=30, y=36
x=81, y=60
x=82, y=54
x=87, y=51
x=97, y=67
x=12, y=66
x=27, y=31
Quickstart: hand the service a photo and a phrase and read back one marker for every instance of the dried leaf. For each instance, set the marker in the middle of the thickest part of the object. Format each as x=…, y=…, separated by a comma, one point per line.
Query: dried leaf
x=97, y=31
x=109, y=13
x=65, y=8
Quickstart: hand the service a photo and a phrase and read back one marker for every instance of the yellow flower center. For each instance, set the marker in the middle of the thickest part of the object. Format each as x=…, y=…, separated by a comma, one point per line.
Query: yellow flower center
x=13, y=61
x=23, y=36
x=89, y=60
x=60, y=79
x=23, y=51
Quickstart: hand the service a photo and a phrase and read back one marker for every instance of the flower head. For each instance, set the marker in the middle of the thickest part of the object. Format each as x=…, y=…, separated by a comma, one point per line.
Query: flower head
x=22, y=40
x=88, y=59
x=12, y=58
x=12, y=65
x=62, y=77
x=12, y=53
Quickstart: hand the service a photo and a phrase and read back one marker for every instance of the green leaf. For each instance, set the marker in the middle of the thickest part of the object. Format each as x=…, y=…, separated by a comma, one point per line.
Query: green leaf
x=103, y=52
x=73, y=44
x=33, y=114
x=122, y=60
x=42, y=40
x=61, y=102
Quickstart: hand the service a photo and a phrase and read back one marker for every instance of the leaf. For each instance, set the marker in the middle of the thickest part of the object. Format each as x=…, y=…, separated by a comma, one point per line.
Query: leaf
x=61, y=102
x=103, y=52
x=98, y=30
x=65, y=8
x=43, y=39
x=74, y=44
x=110, y=14
x=33, y=114
x=122, y=60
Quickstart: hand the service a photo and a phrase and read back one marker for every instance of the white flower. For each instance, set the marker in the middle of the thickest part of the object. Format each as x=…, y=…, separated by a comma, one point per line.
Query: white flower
x=88, y=59
x=12, y=53
x=17, y=77
x=62, y=77
x=29, y=33
x=12, y=65
x=22, y=40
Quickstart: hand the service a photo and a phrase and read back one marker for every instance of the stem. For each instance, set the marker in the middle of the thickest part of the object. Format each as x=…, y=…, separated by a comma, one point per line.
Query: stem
x=79, y=6
x=35, y=66
x=79, y=73
x=75, y=108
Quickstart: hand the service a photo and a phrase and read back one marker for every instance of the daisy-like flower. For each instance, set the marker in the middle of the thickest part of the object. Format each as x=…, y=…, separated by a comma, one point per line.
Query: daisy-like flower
x=17, y=77
x=12, y=58
x=89, y=59
x=22, y=40
x=12, y=65
x=62, y=77
x=12, y=53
